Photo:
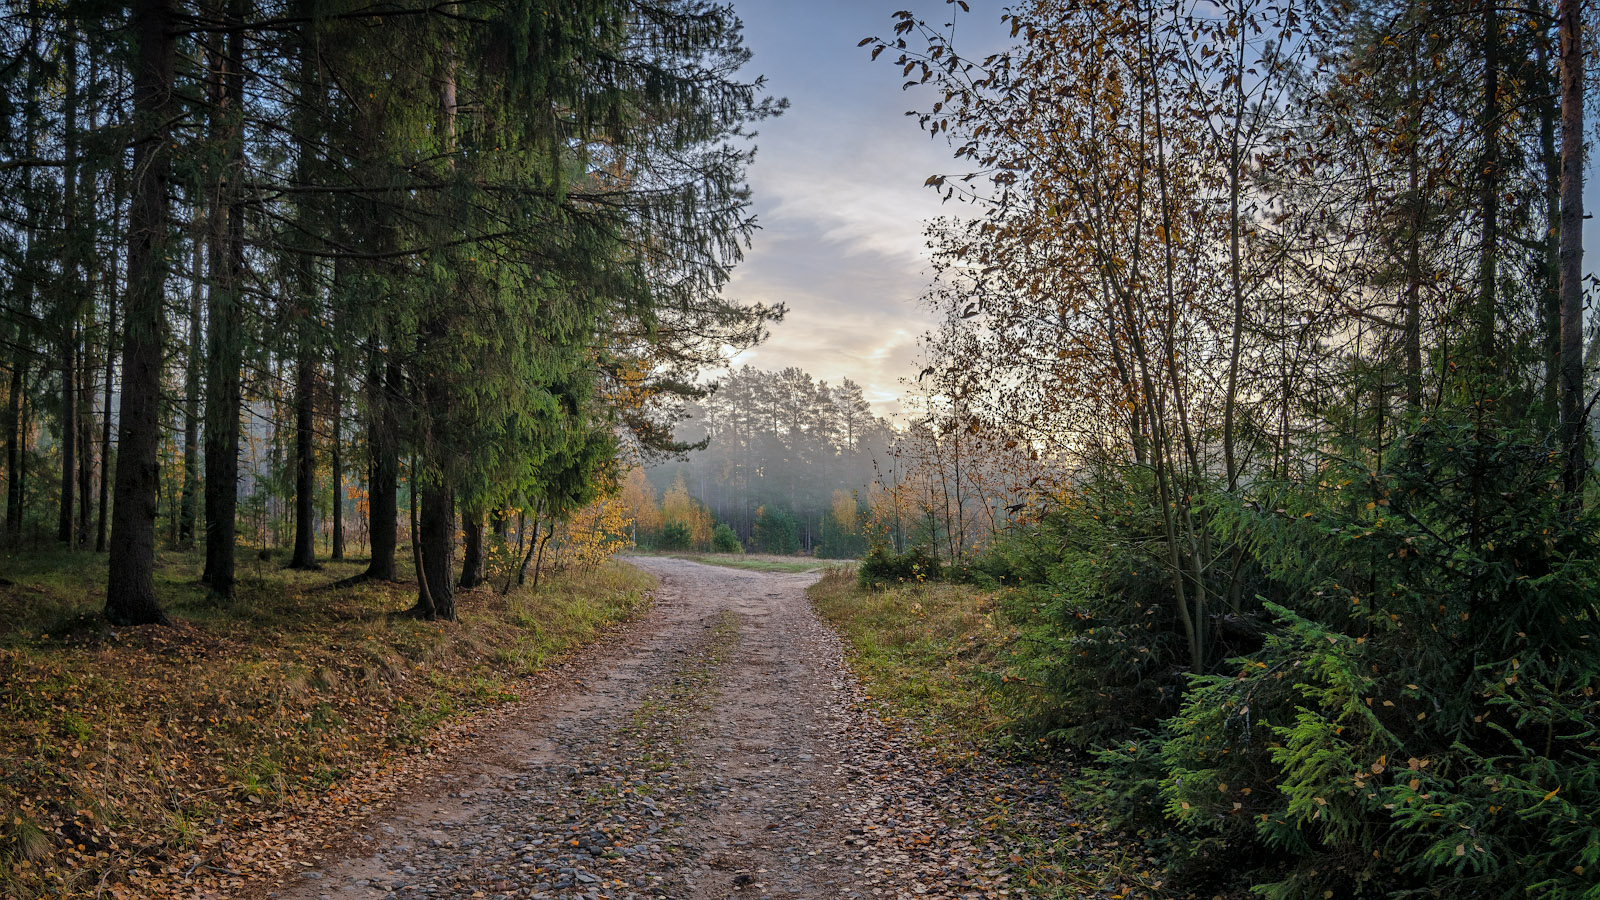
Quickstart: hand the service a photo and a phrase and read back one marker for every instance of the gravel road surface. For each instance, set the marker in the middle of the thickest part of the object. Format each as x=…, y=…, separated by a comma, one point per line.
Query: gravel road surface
x=723, y=751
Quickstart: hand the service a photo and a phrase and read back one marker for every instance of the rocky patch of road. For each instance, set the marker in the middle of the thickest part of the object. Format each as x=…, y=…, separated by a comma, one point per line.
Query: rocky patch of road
x=726, y=753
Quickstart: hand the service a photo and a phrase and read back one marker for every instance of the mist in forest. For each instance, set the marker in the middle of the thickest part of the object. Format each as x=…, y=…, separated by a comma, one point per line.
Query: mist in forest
x=786, y=462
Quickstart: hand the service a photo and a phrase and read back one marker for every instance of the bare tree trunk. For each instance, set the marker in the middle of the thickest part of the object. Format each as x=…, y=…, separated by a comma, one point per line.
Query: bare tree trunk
x=1489, y=188
x=88, y=363
x=16, y=437
x=110, y=377
x=424, y=608
x=305, y=380
x=188, y=505
x=130, y=590
x=383, y=479
x=1236, y=286
x=1573, y=415
x=305, y=472
x=1548, y=106
x=224, y=356
x=472, y=548
x=69, y=299
x=1413, y=302
x=522, y=571
x=538, y=564
x=336, y=454
x=80, y=528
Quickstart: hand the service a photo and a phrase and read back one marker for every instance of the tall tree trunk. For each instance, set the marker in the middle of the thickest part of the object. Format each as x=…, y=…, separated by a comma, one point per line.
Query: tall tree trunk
x=112, y=289
x=305, y=380
x=336, y=454
x=1236, y=288
x=89, y=363
x=80, y=528
x=188, y=505
x=224, y=352
x=130, y=586
x=438, y=543
x=22, y=356
x=438, y=502
x=471, y=547
x=1573, y=413
x=424, y=606
x=70, y=301
x=1489, y=189
x=15, y=461
x=1548, y=106
x=383, y=479
x=105, y=403
x=305, y=473
x=69, y=436
x=1413, y=301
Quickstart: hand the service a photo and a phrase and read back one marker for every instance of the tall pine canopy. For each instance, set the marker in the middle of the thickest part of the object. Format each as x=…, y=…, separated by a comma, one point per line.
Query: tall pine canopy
x=470, y=245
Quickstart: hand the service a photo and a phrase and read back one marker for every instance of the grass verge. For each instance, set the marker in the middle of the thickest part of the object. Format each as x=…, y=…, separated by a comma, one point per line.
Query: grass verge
x=939, y=654
x=943, y=660
x=125, y=753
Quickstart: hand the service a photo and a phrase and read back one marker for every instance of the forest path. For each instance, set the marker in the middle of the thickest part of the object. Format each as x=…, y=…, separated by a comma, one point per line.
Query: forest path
x=723, y=751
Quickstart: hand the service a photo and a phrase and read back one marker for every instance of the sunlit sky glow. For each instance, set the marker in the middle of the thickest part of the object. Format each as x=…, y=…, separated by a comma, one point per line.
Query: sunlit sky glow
x=838, y=192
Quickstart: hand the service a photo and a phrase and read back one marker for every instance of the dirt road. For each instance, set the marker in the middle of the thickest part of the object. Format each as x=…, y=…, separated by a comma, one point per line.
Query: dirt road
x=724, y=751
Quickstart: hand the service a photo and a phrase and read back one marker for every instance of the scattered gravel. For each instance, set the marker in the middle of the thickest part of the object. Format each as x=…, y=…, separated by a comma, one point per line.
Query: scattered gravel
x=727, y=753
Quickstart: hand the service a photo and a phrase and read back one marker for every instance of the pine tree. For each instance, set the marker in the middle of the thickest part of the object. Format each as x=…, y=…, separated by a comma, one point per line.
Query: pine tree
x=130, y=591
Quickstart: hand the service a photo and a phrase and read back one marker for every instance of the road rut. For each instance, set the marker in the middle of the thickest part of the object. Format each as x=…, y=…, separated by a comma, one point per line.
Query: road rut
x=725, y=751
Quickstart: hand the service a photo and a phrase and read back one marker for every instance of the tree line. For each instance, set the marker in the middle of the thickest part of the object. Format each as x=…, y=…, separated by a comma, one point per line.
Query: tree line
x=784, y=451
x=476, y=244
x=1287, y=299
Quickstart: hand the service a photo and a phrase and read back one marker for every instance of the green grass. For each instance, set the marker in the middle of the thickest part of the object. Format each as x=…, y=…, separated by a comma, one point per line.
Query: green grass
x=941, y=659
x=940, y=654
x=139, y=742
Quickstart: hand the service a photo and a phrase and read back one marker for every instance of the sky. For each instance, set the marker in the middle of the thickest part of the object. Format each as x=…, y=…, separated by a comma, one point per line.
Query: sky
x=838, y=189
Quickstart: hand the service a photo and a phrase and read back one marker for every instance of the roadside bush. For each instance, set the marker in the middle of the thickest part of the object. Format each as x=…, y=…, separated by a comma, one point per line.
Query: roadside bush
x=723, y=540
x=1421, y=718
x=1101, y=639
x=1399, y=691
x=882, y=567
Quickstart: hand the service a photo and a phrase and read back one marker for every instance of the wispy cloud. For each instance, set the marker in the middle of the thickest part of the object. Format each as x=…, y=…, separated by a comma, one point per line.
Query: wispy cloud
x=839, y=191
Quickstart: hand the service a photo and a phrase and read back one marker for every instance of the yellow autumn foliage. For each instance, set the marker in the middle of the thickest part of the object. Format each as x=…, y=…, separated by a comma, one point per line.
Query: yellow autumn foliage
x=678, y=506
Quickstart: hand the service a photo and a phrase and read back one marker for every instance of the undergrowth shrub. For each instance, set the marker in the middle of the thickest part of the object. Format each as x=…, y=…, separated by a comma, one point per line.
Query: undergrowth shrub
x=1398, y=697
x=1100, y=636
x=882, y=567
x=723, y=540
x=1421, y=718
x=675, y=536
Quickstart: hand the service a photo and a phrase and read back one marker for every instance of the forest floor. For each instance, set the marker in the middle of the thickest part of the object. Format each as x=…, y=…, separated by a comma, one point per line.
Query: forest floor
x=151, y=761
x=722, y=745
x=725, y=749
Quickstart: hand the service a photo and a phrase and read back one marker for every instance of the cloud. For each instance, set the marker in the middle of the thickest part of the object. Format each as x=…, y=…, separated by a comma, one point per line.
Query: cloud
x=838, y=185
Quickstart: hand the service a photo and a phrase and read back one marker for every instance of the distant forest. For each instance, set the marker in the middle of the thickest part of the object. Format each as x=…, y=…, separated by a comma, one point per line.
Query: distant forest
x=786, y=457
